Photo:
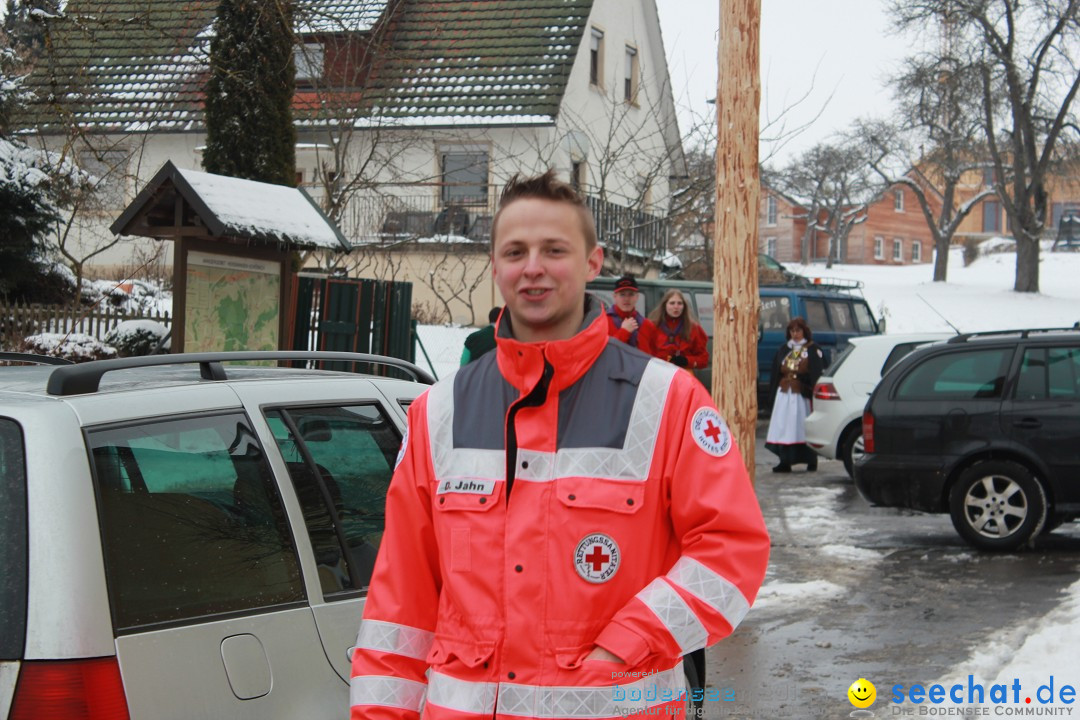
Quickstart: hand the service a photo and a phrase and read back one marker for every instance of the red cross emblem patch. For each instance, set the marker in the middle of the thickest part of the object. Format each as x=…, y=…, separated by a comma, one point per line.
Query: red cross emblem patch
x=597, y=557
x=710, y=432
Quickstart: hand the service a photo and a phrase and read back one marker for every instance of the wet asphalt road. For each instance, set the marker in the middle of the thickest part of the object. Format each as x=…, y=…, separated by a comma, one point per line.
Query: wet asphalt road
x=885, y=594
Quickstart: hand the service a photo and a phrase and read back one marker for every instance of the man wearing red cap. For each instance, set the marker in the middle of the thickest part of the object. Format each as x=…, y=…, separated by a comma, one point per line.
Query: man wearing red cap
x=625, y=323
x=568, y=517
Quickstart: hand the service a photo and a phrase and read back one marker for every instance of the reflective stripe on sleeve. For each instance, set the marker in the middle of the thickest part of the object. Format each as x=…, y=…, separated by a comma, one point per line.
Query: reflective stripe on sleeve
x=675, y=614
x=592, y=702
x=477, y=698
x=390, y=637
x=711, y=588
x=386, y=692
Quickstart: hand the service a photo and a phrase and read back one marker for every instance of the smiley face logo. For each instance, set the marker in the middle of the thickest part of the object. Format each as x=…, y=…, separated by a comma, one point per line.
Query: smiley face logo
x=862, y=693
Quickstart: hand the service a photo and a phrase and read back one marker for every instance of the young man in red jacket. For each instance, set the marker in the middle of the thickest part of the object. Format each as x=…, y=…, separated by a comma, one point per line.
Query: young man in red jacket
x=568, y=517
x=625, y=323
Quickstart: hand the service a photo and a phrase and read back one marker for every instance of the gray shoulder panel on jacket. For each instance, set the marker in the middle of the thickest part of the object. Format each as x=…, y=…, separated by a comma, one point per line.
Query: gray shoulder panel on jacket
x=595, y=411
x=481, y=399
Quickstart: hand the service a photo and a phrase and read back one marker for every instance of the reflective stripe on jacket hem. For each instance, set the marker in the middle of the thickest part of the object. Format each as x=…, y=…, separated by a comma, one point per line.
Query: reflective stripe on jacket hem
x=387, y=692
x=675, y=615
x=536, y=701
x=711, y=588
x=381, y=636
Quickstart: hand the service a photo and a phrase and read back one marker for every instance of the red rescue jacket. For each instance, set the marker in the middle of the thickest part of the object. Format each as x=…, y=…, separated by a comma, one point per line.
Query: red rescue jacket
x=664, y=343
x=550, y=498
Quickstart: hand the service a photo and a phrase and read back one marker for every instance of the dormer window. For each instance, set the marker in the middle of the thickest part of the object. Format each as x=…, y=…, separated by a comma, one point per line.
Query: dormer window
x=309, y=59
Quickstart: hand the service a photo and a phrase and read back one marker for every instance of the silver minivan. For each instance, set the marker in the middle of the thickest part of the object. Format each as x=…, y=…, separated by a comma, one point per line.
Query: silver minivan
x=186, y=539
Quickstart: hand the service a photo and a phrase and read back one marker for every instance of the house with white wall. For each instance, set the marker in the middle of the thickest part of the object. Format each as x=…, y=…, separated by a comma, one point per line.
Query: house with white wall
x=410, y=115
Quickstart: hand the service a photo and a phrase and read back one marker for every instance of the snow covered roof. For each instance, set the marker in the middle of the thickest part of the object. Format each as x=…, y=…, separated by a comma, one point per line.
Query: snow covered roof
x=231, y=207
x=334, y=16
x=140, y=65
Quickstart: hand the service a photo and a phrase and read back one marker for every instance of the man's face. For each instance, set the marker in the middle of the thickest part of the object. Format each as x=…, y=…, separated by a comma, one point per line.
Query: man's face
x=625, y=300
x=541, y=265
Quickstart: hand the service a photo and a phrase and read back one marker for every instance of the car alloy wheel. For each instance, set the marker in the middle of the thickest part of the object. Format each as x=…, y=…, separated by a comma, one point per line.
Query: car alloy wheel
x=997, y=505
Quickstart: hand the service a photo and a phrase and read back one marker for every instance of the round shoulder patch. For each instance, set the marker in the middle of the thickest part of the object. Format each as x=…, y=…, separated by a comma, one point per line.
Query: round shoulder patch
x=710, y=432
x=401, y=450
x=597, y=557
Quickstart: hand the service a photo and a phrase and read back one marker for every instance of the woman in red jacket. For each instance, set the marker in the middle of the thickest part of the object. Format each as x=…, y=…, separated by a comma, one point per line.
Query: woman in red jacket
x=677, y=336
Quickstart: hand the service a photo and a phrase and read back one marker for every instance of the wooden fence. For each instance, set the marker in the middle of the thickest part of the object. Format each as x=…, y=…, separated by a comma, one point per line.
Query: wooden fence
x=18, y=321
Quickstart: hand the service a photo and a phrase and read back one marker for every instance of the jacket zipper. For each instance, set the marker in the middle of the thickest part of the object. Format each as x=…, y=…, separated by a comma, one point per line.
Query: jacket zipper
x=536, y=397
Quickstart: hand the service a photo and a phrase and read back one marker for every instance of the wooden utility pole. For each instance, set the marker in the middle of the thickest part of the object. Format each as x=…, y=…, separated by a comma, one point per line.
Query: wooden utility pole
x=738, y=191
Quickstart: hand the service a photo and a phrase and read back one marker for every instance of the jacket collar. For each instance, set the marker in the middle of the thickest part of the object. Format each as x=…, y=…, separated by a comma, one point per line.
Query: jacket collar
x=522, y=363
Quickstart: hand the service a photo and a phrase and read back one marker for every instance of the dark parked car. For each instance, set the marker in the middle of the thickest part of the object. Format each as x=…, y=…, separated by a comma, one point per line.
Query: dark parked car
x=984, y=427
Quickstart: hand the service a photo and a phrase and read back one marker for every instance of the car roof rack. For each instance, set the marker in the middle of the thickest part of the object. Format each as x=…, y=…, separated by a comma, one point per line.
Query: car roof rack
x=1023, y=333
x=33, y=359
x=85, y=378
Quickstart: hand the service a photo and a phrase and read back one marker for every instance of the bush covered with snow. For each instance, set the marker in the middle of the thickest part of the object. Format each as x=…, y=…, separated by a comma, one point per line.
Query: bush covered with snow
x=137, y=337
x=127, y=296
x=76, y=347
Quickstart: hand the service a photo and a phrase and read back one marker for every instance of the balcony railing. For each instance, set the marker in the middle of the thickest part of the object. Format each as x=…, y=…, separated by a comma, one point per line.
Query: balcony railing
x=397, y=215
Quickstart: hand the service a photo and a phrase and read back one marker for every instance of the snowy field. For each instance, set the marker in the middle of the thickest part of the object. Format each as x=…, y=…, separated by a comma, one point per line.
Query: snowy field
x=977, y=297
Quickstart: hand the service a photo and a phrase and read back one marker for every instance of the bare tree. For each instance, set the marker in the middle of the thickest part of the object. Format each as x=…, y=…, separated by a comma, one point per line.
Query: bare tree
x=833, y=185
x=1026, y=56
x=453, y=279
x=934, y=144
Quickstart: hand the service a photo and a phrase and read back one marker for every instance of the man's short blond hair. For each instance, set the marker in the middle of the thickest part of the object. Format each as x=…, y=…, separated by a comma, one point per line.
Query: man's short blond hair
x=547, y=187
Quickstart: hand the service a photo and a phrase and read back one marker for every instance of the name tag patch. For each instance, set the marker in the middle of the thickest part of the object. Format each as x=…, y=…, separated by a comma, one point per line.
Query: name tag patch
x=470, y=487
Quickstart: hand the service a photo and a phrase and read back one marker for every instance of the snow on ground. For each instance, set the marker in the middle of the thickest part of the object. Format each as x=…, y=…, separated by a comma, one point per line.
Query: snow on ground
x=1029, y=653
x=977, y=297
x=783, y=594
x=443, y=345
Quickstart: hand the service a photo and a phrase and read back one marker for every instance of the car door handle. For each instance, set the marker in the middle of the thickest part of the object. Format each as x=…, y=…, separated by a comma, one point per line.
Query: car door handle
x=1028, y=424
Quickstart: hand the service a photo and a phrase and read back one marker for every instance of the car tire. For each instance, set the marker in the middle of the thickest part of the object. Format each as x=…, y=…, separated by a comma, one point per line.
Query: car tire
x=851, y=447
x=694, y=670
x=997, y=505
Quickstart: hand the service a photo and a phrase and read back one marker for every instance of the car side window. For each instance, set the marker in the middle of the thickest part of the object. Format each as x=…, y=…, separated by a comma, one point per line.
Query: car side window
x=863, y=319
x=842, y=320
x=13, y=550
x=191, y=521
x=816, y=317
x=705, y=311
x=1049, y=373
x=340, y=460
x=775, y=312
x=898, y=353
x=972, y=374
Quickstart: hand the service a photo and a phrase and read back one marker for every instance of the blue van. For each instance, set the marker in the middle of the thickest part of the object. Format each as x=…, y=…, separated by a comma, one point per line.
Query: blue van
x=835, y=313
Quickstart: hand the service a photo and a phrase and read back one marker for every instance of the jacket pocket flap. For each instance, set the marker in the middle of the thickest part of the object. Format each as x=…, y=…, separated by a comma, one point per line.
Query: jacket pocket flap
x=470, y=653
x=601, y=494
x=468, y=495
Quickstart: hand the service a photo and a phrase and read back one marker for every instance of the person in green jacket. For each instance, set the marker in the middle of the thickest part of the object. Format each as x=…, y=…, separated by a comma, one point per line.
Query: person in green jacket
x=479, y=342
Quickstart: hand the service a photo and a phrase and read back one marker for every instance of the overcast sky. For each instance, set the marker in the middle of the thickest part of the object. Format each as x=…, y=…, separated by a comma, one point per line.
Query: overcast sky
x=848, y=43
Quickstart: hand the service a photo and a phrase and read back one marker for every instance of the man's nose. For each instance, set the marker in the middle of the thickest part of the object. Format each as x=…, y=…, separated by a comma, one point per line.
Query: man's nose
x=533, y=264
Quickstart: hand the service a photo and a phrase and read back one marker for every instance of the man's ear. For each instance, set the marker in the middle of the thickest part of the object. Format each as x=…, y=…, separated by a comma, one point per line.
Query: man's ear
x=595, y=261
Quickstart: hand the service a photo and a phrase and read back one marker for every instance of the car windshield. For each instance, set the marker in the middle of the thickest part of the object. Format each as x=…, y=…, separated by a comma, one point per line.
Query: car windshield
x=13, y=556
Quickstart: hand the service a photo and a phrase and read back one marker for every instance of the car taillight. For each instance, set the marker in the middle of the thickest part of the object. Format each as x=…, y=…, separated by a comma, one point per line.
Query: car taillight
x=71, y=689
x=826, y=391
x=868, y=431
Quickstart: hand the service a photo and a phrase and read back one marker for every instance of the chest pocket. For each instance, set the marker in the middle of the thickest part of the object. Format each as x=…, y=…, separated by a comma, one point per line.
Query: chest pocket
x=625, y=498
x=455, y=515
